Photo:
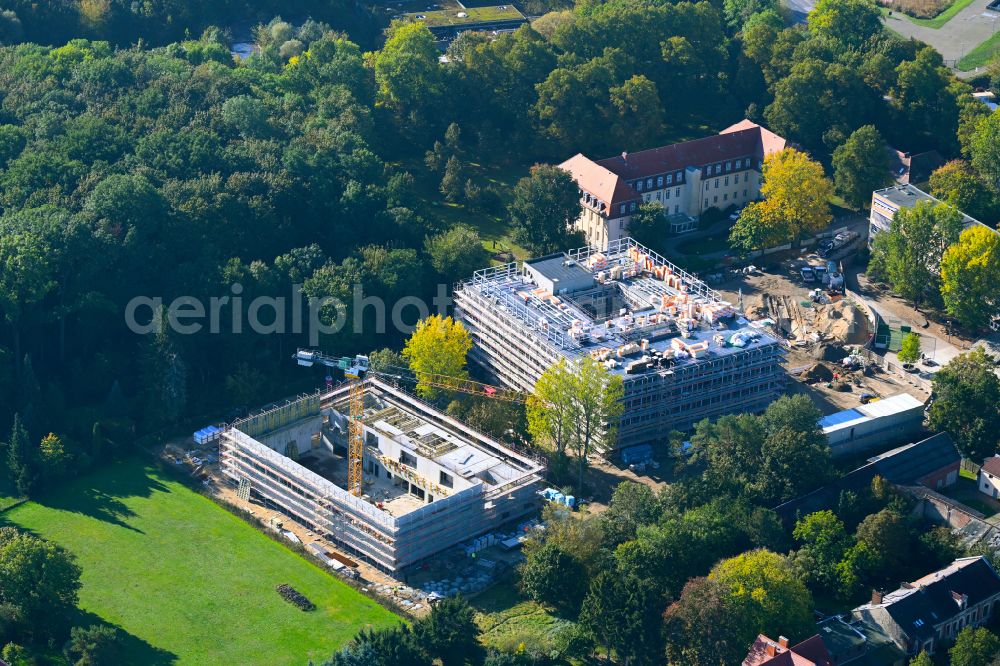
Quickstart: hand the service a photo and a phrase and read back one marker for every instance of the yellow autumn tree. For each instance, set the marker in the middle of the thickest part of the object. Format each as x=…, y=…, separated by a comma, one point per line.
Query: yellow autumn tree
x=970, y=277
x=438, y=346
x=796, y=194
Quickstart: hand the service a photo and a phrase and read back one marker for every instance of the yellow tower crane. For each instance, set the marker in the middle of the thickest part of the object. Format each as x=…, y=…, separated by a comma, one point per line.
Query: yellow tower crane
x=356, y=370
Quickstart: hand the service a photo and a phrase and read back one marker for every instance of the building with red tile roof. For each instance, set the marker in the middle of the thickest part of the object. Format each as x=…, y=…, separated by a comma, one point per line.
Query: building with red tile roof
x=687, y=179
x=767, y=652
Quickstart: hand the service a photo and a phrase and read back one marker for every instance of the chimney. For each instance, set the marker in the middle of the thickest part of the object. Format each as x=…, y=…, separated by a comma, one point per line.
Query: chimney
x=625, y=156
x=770, y=650
x=876, y=597
x=782, y=641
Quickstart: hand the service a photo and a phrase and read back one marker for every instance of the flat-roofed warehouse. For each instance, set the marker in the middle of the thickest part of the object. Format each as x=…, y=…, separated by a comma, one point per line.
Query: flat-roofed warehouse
x=684, y=353
x=429, y=481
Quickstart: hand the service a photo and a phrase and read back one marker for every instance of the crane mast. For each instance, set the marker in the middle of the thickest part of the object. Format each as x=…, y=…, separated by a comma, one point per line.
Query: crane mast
x=356, y=369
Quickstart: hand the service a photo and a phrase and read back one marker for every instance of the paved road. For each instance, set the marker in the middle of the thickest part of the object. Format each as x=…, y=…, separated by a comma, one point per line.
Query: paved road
x=800, y=9
x=966, y=30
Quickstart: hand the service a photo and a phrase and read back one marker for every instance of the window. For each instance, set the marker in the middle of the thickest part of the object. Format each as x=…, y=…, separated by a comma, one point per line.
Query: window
x=670, y=178
x=638, y=185
x=727, y=180
x=668, y=194
x=408, y=459
x=715, y=199
x=744, y=193
x=621, y=224
x=725, y=197
x=729, y=166
x=716, y=183
x=677, y=208
x=631, y=207
x=706, y=203
x=445, y=479
x=677, y=193
x=706, y=185
x=649, y=183
x=708, y=170
x=623, y=209
x=416, y=492
x=659, y=181
x=658, y=196
x=679, y=176
x=746, y=177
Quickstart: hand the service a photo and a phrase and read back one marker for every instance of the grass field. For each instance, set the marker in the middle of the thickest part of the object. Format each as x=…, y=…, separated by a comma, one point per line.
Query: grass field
x=981, y=55
x=188, y=582
x=939, y=20
x=507, y=622
x=449, y=17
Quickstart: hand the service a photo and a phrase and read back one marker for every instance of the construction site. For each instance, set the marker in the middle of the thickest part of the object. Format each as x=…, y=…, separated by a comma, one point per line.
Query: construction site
x=378, y=473
x=827, y=334
x=683, y=352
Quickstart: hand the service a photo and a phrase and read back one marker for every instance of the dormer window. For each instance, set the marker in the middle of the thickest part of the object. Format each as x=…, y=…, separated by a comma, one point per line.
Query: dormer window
x=638, y=185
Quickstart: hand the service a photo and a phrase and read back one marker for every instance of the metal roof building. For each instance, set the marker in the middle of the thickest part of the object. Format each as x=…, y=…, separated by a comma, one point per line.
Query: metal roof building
x=892, y=420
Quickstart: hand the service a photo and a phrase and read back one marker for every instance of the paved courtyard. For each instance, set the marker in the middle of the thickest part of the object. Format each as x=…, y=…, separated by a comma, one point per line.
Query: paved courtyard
x=966, y=30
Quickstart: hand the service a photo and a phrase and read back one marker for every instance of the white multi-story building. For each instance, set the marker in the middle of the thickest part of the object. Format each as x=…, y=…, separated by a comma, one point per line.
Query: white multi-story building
x=687, y=179
x=429, y=482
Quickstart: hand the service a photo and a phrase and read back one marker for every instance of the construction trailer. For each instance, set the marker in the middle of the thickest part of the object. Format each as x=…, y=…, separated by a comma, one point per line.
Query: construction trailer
x=429, y=482
x=683, y=352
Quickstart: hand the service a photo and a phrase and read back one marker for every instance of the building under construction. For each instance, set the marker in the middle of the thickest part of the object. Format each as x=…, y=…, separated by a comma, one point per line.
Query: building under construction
x=428, y=481
x=684, y=354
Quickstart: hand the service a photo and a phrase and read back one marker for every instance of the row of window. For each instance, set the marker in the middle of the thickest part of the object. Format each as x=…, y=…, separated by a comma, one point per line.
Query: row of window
x=725, y=197
x=746, y=179
x=660, y=181
x=717, y=168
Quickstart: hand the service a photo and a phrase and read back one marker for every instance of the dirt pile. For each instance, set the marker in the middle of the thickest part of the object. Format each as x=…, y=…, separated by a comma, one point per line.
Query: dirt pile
x=817, y=373
x=835, y=321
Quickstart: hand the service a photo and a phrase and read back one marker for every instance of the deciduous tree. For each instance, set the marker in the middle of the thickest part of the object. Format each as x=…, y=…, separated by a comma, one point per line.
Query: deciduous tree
x=861, y=165
x=764, y=593
x=908, y=254
x=974, y=647
x=958, y=184
x=437, y=351
x=909, y=351
x=38, y=579
x=967, y=404
x=543, y=208
x=796, y=192
x=970, y=277
x=552, y=576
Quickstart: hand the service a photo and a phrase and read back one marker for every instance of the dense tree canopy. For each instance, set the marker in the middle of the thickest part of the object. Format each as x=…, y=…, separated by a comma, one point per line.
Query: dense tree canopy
x=967, y=404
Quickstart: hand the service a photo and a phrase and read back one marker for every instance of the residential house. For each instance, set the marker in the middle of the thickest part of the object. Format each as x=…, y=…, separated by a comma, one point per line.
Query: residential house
x=989, y=476
x=929, y=612
x=768, y=652
x=687, y=179
x=913, y=167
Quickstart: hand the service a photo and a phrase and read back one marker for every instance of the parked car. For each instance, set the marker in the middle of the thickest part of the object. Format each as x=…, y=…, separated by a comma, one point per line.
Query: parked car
x=807, y=274
x=735, y=215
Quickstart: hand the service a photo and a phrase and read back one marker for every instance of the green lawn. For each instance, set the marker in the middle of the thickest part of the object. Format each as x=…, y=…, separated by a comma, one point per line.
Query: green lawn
x=507, y=622
x=188, y=582
x=8, y=496
x=939, y=20
x=491, y=226
x=449, y=17
x=981, y=55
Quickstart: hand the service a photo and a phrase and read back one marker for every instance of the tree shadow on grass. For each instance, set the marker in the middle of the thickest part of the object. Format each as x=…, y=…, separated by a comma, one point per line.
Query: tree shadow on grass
x=99, y=495
x=133, y=650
